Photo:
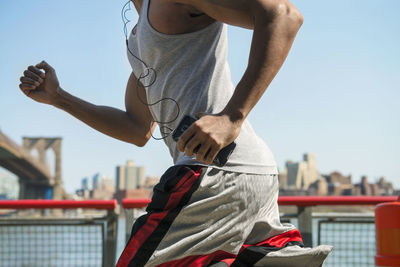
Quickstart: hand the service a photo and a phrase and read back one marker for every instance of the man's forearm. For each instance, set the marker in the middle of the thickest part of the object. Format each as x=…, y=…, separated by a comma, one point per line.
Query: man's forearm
x=110, y=121
x=272, y=39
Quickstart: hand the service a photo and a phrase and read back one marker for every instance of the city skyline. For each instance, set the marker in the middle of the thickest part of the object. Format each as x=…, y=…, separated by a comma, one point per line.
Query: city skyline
x=306, y=168
x=335, y=96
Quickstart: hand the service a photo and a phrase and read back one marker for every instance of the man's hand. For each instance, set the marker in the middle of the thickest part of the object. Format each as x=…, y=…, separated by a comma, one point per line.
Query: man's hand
x=209, y=134
x=40, y=86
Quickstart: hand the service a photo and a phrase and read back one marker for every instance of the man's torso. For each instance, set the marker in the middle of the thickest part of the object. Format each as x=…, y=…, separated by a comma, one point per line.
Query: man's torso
x=174, y=18
x=190, y=66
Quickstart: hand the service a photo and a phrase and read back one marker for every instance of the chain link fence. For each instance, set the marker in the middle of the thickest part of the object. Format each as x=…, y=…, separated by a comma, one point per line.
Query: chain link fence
x=59, y=239
x=353, y=241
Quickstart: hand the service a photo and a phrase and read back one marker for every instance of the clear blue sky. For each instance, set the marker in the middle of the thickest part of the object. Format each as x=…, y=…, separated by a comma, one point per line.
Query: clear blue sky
x=336, y=95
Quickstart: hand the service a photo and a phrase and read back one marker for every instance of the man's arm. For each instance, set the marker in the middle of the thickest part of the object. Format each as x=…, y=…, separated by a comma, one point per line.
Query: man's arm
x=275, y=24
x=132, y=125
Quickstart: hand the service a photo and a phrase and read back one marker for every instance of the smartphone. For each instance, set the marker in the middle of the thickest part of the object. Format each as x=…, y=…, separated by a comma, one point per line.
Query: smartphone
x=223, y=155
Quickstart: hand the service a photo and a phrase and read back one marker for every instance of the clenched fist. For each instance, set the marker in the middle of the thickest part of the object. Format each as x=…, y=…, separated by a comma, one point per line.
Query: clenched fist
x=41, y=86
x=208, y=135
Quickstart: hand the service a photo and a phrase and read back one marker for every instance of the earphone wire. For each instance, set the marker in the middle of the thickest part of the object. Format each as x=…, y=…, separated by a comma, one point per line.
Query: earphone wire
x=164, y=130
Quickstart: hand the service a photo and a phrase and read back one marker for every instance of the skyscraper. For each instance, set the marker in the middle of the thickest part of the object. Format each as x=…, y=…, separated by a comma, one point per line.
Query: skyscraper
x=129, y=176
x=301, y=174
x=85, y=183
x=97, y=181
x=120, y=178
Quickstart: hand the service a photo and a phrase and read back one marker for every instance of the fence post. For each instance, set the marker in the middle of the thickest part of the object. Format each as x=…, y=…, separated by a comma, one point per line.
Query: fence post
x=304, y=215
x=111, y=239
x=129, y=218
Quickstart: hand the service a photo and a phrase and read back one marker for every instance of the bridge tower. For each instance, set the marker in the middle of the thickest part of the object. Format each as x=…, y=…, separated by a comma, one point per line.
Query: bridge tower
x=42, y=144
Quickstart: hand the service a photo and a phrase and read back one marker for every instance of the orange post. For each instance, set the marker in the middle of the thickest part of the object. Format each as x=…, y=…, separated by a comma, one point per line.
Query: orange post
x=387, y=230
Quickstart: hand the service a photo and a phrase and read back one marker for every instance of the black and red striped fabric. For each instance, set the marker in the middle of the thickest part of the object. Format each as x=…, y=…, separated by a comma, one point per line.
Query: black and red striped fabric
x=247, y=256
x=170, y=196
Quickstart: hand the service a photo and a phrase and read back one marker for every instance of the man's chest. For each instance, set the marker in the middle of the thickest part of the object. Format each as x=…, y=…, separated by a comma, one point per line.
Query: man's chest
x=173, y=18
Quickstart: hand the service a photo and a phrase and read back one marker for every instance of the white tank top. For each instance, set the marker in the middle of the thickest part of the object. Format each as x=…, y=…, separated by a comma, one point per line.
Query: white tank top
x=192, y=69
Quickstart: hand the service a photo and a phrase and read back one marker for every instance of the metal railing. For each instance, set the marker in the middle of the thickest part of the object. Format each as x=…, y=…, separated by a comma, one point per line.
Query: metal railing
x=59, y=238
x=69, y=238
x=351, y=234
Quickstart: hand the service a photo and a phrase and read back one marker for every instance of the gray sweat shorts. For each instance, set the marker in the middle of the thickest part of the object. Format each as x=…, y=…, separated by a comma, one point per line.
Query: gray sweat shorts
x=203, y=216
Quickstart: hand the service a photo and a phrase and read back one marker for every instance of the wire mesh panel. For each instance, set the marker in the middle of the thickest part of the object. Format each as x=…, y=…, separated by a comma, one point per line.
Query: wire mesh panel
x=353, y=242
x=46, y=244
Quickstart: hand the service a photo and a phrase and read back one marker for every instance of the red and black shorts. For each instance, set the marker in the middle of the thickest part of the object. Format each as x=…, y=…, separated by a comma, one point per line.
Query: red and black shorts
x=201, y=216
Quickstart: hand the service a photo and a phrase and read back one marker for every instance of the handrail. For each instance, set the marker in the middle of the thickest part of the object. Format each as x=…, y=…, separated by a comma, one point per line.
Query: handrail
x=300, y=201
x=303, y=201
x=135, y=203
x=58, y=204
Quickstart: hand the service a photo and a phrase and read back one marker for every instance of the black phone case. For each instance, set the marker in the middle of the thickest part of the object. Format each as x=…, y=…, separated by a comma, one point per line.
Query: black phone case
x=183, y=126
x=223, y=155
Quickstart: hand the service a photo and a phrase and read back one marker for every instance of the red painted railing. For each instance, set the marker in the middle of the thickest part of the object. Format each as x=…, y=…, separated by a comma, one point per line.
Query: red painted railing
x=300, y=201
x=59, y=204
x=303, y=201
x=135, y=203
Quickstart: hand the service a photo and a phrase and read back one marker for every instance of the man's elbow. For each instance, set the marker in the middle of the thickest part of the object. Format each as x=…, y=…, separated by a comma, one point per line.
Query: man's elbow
x=139, y=140
x=294, y=15
x=280, y=11
x=142, y=141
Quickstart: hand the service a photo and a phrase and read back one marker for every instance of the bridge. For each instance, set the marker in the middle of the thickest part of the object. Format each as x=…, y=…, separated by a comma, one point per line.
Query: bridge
x=35, y=179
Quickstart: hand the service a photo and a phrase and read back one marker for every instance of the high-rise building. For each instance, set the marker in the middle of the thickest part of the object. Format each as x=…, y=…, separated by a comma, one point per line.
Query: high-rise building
x=301, y=174
x=85, y=183
x=97, y=181
x=130, y=176
x=130, y=182
x=120, y=178
x=103, y=187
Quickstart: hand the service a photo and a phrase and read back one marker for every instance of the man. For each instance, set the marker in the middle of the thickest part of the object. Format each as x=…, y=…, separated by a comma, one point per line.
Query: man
x=201, y=213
